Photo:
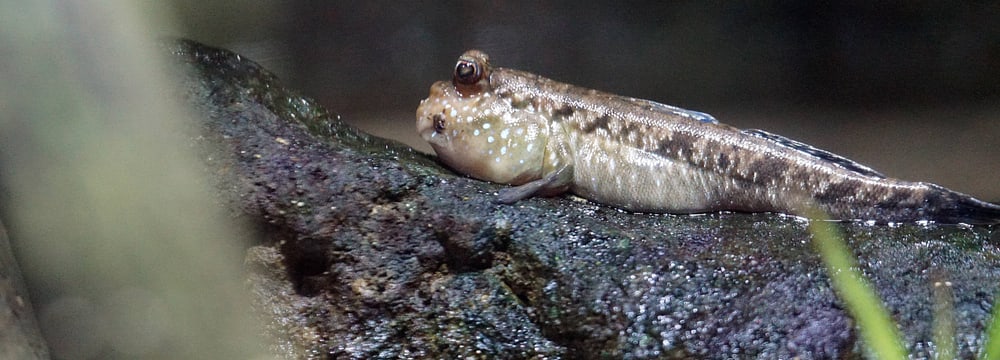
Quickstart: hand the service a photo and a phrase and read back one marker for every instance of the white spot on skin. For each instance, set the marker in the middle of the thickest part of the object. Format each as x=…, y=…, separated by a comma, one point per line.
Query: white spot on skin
x=530, y=146
x=498, y=159
x=490, y=139
x=519, y=131
x=521, y=161
x=503, y=150
x=454, y=113
x=486, y=125
x=475, y=132
x=504, y=133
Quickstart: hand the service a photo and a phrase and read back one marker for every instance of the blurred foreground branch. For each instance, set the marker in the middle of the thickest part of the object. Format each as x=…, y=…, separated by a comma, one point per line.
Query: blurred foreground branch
x=120, y=240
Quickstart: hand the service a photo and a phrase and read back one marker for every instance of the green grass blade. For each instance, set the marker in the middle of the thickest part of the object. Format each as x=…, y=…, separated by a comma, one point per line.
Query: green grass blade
x=991, y=350
x=877, y=328
x=944, y=317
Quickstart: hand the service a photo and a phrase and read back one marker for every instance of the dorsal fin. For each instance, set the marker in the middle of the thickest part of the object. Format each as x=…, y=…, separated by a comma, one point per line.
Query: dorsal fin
x=673, y=110
x=818, y=153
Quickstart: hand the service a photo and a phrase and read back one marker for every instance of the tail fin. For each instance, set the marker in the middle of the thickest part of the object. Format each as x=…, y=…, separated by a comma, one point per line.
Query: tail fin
x=976, y=212
x=955, y=207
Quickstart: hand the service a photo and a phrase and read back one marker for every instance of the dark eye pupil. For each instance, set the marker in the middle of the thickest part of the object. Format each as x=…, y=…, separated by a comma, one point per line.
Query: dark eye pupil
x=466, y=72
x=438, y=123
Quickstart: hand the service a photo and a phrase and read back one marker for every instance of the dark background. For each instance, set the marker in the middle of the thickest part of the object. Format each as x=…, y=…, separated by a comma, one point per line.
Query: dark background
x=910, y=88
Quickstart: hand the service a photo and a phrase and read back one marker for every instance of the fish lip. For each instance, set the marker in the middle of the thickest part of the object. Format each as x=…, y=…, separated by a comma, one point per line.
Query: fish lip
x=425, y=113
x=435, y=139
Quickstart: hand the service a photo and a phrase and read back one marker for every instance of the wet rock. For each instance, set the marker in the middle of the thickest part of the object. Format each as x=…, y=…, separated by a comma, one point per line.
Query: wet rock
x=372, y=250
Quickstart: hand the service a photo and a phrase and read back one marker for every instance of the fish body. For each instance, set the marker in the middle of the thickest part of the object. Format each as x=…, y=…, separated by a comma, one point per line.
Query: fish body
x=547, y=137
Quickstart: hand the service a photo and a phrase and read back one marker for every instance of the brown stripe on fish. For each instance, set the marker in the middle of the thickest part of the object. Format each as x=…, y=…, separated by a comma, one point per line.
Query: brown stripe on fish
x=722, y=162
x=563, y=112
x=696, y=152
x=674, y=146
x=837, y=190
x=770, y=166
x=592, y=125
x=899, y=197
x=729, y=161
x=879, y=197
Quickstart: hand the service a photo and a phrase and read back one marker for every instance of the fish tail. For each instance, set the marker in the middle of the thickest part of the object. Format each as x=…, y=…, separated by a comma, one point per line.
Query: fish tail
x=953, y=207
x=924, y=202
x=975, y=212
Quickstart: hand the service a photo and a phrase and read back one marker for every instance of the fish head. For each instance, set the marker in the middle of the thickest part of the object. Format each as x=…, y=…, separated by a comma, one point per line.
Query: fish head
x=478, y=132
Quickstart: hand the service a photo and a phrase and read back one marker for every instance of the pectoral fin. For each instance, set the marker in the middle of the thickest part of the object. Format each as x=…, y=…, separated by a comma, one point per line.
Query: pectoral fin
x=554, y=183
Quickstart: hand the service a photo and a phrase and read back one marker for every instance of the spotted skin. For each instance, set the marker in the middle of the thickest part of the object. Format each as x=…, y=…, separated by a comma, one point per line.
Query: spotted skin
x=546, y=137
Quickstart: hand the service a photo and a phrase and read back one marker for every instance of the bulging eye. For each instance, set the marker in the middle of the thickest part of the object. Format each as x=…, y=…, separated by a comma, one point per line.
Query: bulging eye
x=472, y=72
x=439, y=123
x=467, y=72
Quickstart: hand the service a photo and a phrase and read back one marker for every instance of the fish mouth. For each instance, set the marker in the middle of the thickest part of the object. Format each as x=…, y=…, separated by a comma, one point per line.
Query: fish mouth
x=425, y=126
x=430, y=107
